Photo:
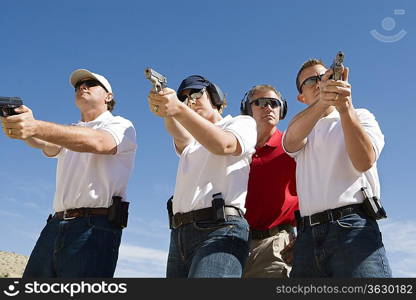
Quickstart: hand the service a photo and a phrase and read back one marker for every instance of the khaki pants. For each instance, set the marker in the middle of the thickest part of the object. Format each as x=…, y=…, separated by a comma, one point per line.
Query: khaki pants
x=265, y=260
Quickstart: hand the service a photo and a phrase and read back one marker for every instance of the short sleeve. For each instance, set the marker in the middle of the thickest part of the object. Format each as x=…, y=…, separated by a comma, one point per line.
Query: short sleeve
x=123, y=133
x=291, y=154
x=61, y=150
x=371, y=127
x=244, y=129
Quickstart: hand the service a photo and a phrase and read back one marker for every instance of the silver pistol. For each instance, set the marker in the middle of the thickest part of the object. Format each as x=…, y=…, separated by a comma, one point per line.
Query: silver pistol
x=337, y=66
x=158, y=81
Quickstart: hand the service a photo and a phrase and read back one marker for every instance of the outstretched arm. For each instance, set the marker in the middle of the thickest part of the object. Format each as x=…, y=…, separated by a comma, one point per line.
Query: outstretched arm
x=301, y=125
x=213, y=138
x=50, y=137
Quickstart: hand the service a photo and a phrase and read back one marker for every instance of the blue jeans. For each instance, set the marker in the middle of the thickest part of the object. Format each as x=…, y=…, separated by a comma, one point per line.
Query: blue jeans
x=81, y=247
x=350, y=247
x=209, y=249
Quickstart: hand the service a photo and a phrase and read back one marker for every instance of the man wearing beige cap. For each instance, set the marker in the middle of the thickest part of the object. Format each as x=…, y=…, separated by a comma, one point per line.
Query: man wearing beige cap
x=95, y=160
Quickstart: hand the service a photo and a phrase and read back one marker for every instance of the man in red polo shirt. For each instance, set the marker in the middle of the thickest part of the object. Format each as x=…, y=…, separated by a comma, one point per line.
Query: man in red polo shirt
x=271, y=196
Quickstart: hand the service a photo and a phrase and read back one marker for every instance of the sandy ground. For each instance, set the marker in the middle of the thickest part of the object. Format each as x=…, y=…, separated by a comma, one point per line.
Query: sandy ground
x=12, y=264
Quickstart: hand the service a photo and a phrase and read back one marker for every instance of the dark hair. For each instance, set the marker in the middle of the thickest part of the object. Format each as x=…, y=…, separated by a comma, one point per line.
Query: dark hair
x=309, y=63
x=111, y=104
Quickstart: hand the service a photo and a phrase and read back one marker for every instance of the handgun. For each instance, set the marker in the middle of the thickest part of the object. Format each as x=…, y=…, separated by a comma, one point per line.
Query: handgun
x=337, y=66
x=8, y=104
x=158, y=81
x=372, y=206
x=118, y=212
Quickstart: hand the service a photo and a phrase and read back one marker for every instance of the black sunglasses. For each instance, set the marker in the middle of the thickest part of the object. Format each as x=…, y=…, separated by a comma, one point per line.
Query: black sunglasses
x=263, y=102
x=89, y=83
x=193, y=95
x=310, y=81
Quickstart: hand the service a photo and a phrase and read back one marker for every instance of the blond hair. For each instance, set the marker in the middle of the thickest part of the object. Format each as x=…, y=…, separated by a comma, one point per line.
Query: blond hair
x=263, y=87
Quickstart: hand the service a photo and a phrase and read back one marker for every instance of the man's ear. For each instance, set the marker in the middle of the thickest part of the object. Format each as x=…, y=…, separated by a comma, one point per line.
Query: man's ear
x=301, y=98
x=109, y=97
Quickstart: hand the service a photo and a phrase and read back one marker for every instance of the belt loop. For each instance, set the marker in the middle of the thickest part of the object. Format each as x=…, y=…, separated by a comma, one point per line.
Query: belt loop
x=301, y=224
x=331, y=215
x=90, y=220
x=177, y=220
x=240, y=212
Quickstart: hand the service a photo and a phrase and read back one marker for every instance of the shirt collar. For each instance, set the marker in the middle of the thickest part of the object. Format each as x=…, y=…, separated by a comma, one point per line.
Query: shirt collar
x=101, y=118
x=275, y=140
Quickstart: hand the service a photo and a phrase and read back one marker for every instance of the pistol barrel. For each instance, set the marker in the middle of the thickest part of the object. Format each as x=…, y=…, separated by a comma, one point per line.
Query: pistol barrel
x=15, y=101
x=340, y=57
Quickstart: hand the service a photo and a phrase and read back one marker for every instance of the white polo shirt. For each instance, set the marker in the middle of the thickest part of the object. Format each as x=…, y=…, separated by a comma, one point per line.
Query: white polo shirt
x=325, y=176
x=202, y=174
x=90, y=180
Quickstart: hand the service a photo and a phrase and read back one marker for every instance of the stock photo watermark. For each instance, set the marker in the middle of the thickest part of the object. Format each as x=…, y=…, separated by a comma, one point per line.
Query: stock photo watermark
x=70, y=289
x=389, y=24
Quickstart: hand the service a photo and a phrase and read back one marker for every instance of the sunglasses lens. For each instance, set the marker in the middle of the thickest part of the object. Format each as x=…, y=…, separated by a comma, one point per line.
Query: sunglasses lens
x=91, y=83
x=193, y=94
x=88, y=83
x=273, y=104
x=264, y=102
x=311, y=81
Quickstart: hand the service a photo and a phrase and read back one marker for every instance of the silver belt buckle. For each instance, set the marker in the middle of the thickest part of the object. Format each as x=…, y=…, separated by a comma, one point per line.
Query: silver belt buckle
x=67, y=218
x=310, y=221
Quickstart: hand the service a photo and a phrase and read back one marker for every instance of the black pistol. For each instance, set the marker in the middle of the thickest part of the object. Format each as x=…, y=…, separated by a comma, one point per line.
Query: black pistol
x=8, y=104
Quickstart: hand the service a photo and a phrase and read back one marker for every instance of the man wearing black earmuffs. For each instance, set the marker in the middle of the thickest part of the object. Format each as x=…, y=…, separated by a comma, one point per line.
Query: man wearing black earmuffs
x=271, y=196
x=209, y=235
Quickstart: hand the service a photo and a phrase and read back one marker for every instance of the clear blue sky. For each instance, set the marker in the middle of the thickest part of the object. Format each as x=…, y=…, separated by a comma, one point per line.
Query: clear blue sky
x=236, y=44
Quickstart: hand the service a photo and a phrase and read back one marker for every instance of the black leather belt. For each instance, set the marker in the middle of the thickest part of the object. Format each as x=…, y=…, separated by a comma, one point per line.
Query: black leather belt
x=263, y=234
x=80, y=213
x=328, y=215
x=204, y=214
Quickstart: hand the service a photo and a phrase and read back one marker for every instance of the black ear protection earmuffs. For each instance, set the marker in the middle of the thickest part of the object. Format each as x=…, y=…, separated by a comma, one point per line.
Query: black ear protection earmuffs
x=216, y=94
x=245, y=106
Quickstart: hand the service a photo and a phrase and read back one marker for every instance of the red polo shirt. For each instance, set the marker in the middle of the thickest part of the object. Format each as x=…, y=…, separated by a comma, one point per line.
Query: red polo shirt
x=271, y=193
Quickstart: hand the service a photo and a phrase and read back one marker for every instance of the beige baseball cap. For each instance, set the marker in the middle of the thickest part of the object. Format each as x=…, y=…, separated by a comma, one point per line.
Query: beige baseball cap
x=82, y=74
